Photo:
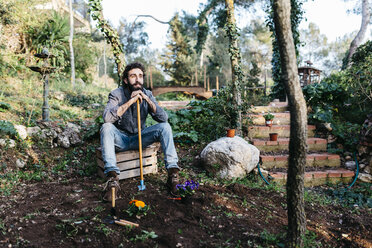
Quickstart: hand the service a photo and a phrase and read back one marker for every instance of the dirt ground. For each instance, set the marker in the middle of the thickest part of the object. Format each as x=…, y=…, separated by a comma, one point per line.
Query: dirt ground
x=65, y=210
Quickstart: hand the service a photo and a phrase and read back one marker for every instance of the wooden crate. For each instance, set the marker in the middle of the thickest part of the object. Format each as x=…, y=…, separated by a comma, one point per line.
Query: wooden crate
x=128, y=162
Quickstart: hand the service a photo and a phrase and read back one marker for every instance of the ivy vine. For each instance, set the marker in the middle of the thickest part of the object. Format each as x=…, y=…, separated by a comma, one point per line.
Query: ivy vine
x=297, y=13
x=111, y=35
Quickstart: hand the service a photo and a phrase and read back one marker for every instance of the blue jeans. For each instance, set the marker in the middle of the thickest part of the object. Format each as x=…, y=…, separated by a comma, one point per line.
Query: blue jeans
x=113, y=139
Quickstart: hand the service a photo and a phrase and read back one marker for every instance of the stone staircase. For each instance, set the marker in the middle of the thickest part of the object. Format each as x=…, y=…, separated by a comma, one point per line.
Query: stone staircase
x=321, y=167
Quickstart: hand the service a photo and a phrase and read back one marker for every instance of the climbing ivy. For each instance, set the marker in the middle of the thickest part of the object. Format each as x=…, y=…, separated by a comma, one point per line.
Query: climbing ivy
x=297, y=13
x=111, y=35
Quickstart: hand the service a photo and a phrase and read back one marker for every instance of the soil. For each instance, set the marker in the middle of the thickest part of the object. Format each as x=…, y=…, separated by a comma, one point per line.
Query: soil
x=65, y=210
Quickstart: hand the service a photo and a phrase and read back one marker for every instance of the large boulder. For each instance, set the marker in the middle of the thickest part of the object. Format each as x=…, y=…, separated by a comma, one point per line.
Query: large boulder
x=230, y=157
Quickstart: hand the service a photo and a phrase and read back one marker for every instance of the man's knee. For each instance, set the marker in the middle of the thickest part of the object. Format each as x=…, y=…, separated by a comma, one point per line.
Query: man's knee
x=107, y=128
x=165, y=127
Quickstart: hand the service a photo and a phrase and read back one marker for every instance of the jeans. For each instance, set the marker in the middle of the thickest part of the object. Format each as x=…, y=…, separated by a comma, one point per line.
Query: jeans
x=113, y=139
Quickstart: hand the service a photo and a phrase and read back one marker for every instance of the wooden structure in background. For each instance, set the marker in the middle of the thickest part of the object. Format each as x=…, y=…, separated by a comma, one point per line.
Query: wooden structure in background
x=308, y=74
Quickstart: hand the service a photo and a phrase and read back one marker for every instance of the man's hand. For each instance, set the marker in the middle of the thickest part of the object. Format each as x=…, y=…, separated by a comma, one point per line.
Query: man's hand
x=141, y=95
x=138, y=94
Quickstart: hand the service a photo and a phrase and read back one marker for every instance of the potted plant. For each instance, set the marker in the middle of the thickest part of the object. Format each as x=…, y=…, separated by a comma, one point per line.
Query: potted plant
x=269, y=119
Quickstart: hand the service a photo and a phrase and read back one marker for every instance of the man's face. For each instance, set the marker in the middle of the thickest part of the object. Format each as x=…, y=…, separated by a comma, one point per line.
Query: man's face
x=135, y=79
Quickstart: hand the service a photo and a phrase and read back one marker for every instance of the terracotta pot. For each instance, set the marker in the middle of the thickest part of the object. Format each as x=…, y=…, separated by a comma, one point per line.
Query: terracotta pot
x=230, y=133
x=273, y=136
x=269, y=123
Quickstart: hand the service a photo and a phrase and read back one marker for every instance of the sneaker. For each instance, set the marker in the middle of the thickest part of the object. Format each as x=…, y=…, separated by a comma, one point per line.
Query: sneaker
x=173, y=180
x=113, y=181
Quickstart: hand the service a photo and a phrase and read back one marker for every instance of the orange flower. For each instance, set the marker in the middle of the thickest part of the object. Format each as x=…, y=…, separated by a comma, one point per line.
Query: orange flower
x=140, y=204
x=133, y=201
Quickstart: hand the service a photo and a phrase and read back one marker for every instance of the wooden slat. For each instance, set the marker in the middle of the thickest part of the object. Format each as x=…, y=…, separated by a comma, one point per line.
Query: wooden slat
x=131, y=154
x=132, y=173
x=127, y=165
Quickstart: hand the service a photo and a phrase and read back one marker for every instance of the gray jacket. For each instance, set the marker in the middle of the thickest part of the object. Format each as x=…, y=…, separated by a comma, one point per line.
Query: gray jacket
x=128, y=121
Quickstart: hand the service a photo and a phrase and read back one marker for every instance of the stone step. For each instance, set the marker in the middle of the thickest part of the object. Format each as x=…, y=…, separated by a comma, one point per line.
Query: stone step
x=273, y=108
x=316, y=178
x=280, y=119
x=312, y=160
x=264, y=145
x=283, y=131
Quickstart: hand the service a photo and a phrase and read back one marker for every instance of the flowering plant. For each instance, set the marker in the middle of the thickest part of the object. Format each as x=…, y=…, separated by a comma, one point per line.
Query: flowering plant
x=137, y=207
x=188, y=188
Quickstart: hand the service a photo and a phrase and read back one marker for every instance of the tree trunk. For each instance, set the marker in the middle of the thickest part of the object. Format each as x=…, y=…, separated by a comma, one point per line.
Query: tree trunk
x=235, y=58
x=298, y=136
x=366, y=14
x=104, y=64
x=72, y=58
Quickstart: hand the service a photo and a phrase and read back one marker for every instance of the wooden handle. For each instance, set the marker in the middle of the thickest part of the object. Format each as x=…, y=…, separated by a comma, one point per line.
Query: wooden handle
x=139, y=138
x=129, y=223
x=113, y=196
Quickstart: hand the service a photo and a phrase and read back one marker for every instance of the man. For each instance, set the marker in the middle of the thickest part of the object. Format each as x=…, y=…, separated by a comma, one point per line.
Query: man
x=120, y=130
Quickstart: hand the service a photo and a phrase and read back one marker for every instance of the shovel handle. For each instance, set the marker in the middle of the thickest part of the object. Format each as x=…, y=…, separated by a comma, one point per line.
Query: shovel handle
x=139, y=139
x=113, y=196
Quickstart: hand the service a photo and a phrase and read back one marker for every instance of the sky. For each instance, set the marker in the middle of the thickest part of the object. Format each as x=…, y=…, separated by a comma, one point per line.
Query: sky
x=329, y=15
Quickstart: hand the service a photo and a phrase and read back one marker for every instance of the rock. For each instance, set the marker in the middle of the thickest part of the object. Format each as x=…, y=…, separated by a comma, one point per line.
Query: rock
x=7, y=142
x=350, y=165
x=230, y=157
x=367, y=169
x=74, y=127
x=48, y=134
x=361, y=166
x=20, y=163
x=364, y=177
x=21, y=130
x=348, y=157
x=63, y=141
x=58, y=95
x=33, y=131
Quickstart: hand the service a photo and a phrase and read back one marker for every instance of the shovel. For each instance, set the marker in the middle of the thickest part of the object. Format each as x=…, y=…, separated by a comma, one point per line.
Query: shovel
x=113, y=219
x=142, y=186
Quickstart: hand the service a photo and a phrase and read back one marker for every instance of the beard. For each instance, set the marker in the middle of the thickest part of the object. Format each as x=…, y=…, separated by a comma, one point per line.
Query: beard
x=136, y=86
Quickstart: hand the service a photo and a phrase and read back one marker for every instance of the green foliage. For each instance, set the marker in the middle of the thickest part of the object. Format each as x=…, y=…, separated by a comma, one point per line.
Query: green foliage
x=297, y=13
x=345, y=98
x=5, y=106
x=360, y=195
x=179, y=60
x=110, y=34
x=325, y=99
x=269, y=116
x=84, y=101
x=144, y=236
x=51, y=33
x=7, y=129
x=132, y=36
x=6, y=11
x=85, y=53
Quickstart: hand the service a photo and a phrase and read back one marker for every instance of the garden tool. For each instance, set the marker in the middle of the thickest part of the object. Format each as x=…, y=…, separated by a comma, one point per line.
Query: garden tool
x=113, y=208
x=113, y=219
x=142, y=186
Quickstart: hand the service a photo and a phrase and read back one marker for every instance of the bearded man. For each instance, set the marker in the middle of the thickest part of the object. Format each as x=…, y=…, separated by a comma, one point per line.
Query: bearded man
x=120, y=130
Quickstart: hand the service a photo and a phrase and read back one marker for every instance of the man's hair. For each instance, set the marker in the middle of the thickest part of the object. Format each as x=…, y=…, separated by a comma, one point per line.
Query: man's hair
x=133, y=66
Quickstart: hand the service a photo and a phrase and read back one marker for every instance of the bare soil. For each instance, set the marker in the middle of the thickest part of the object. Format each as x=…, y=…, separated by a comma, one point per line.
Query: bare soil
x=65, y=210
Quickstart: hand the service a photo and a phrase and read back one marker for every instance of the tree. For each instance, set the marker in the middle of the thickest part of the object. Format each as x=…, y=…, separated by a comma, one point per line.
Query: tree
x=235, y=57
x=110, y=34
x=298, y=117
x=366, y=18
x=277, y=91
x=132, y=36
x=71, y=37
x=179, y=59
x=315, y=44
